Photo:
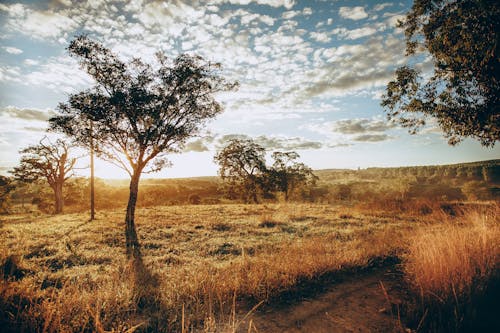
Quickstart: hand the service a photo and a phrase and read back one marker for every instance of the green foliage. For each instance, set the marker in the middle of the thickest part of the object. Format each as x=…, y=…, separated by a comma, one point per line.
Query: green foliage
x=463, y=92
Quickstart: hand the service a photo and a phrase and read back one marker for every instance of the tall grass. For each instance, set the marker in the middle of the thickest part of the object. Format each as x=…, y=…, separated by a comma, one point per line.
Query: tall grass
x=454, y=268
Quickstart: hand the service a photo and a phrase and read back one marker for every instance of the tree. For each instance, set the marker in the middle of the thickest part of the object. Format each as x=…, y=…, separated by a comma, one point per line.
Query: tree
x=6, y=186
x=462, y=94
x=140, y=112
x=242, y=166
x=287, y=174
x=50, y=161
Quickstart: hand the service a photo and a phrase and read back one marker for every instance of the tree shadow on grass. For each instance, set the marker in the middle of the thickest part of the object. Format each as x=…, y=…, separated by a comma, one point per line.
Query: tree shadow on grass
x=148, y=299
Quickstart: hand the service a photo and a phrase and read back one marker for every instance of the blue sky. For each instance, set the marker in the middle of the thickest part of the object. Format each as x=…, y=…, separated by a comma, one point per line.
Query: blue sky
x=311, y=75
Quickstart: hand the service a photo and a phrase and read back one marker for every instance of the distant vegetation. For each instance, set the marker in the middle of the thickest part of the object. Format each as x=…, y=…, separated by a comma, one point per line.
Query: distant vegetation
x=245, y=175
x=388, y=188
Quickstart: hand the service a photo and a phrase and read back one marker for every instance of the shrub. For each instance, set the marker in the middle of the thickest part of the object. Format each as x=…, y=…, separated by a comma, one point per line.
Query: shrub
x=194, y=199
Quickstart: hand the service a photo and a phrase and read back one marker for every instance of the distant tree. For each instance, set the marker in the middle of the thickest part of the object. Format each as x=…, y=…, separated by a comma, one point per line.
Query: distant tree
x=462, y=36
x=140, y=112
x=242, y=166
x=343, y=192
x=450, y=172
x=475, y=173
x=49, y=161
x=491, y=173
x=461, y=173
x=287, y=174
x=6, y=187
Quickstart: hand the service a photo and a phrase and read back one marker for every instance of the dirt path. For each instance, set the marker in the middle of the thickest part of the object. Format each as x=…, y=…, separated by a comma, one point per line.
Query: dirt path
x=357, y=304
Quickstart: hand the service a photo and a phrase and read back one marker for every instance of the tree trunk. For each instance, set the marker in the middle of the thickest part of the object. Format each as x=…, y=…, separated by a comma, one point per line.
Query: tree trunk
x=130, y=232
x=59, y=200
x=92, y=195
x=254, y=193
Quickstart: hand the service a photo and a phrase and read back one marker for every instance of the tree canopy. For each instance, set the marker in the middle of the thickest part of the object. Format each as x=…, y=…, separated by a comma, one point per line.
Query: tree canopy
x=243, y=168
x=242, y=164
x=287, y=174
x=462, y=92
x=49, y=161
x=140, y=112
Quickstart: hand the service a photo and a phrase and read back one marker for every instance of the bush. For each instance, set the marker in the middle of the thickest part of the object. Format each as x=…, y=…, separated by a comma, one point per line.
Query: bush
x=194, y=199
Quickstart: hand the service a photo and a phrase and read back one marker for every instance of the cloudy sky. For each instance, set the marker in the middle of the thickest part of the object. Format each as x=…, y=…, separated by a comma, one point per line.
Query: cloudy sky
x=311, y=74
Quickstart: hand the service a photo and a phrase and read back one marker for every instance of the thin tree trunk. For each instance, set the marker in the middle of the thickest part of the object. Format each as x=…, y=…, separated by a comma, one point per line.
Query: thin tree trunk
x=130, y=233
x=92, y=195
x=59, y=200
x=254, y=191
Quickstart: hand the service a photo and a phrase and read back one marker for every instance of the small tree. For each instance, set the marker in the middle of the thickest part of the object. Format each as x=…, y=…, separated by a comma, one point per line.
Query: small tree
x=463, y=92
x=242, y=166
x=139, y=112
x=49, y=161
x=287, y=174
x=6, y=186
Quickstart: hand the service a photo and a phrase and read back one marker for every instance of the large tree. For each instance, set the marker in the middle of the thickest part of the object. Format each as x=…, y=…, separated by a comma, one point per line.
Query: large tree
x=49, y=161
x=462, y=92
x=242, y=166
x=287, y=174
x=140, y=112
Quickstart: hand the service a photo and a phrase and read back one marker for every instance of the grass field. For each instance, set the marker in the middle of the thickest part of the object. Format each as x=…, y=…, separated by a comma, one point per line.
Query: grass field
x=200, y=264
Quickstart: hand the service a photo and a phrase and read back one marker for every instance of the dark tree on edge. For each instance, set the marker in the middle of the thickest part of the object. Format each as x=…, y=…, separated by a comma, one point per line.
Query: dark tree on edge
x=139, y=112
x=462, y=36
x=50, y=161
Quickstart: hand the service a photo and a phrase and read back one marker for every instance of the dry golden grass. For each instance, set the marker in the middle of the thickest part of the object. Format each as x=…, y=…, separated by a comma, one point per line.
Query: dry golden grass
x=195, y=260
x=452, y=264
x=201, y=264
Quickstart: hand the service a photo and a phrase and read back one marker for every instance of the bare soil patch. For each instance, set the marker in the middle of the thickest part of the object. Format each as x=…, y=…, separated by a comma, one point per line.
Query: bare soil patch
x=368, y=301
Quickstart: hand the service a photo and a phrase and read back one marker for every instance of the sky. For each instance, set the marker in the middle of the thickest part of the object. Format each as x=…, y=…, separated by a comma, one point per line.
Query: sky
x=311, y=76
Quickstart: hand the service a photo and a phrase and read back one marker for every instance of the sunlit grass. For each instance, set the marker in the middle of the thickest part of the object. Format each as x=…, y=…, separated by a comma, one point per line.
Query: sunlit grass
x=200, y=264
x=201, y=257
x=452, y=265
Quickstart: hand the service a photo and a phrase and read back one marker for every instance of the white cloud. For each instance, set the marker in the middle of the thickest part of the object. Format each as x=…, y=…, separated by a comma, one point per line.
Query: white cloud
x=272, y=142
x=12, y=50
x=320, y=37
x=359, y=33
x=38, y=24
x=382, y=6
x=31, y=62
x=25, y=113
x=354, y=130
x=273, y=3
x=353, y=13
x=58, y=74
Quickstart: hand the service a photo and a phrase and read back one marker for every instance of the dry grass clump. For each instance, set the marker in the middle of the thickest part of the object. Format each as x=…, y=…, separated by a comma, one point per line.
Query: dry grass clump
x=87, y=304
x=453, y=265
